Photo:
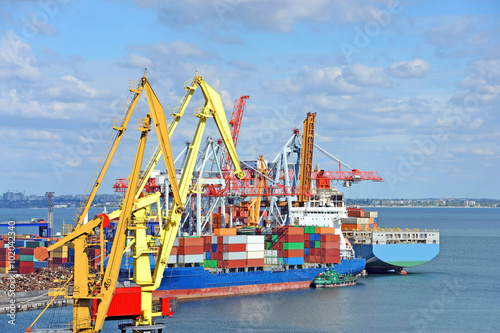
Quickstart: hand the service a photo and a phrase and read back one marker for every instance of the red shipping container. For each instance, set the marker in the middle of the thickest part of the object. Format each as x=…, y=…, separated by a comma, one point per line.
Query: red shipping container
x=190, y=250
x=291, y=238
x=17, y=257
x=292, y=253
x=330, y=238
x=174, y=250
x=355, y=212
x=207, y=247
x=277, y=246
x=314, y=259
x=4, y=263
x=330, y=252
x=288, y=230
x=307, y=243
x=235, y=263
x=60, y=261
x=4, y=250
x=330, y=245
x=217, y=255
x=125, y=302
x=234, y=247
x=25, y=270
x=26, y=264
x=255, y=262
x=28, y=251
x=330, y=259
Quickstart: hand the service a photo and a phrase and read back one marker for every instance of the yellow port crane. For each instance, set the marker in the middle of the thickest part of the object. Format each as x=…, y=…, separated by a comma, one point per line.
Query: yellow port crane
x=262, y=188
x=134, y=212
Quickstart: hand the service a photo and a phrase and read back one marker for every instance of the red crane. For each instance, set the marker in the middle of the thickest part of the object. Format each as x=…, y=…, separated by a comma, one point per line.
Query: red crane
x=234, y=124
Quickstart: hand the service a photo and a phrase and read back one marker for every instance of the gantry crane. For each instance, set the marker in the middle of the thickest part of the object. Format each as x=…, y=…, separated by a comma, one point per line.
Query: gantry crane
x=133, y=214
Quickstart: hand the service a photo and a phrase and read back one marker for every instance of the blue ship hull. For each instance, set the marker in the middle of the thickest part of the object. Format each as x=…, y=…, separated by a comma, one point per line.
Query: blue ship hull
x=194, y=282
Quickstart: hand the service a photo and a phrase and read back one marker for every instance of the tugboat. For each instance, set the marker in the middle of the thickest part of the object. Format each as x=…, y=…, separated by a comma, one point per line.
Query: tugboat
x=331, y=278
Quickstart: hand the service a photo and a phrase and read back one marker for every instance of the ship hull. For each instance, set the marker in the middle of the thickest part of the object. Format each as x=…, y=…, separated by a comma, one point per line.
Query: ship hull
x=197, y=282
x=384, y=257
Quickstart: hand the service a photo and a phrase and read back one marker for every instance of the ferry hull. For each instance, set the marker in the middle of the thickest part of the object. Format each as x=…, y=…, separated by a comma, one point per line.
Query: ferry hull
x=383, y=257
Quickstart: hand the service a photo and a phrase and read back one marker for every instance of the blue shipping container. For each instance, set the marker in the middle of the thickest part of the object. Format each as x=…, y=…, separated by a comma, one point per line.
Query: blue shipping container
x=293, y=261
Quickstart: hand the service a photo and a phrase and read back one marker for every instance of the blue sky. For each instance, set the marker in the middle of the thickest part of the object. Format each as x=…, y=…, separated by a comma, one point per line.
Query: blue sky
x=409, y=89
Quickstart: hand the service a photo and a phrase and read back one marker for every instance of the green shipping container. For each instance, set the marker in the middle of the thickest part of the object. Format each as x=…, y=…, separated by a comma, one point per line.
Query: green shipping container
x=317, y=244
x=274, y=238
x=210, y=263
x=312, y=230
x=27, y=257
x=293, y=246
x=34, y=244
x=269, y=245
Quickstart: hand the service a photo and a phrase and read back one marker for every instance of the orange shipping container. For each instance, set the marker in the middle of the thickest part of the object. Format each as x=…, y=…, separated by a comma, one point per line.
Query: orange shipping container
x=255, y=262
x=330, y=238
x=225, y=231
x=293, y=253
x=330, y=245
x=195, y=241
x=325, y=230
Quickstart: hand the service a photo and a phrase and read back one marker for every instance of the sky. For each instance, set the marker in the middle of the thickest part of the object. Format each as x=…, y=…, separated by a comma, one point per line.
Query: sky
x=409, y=89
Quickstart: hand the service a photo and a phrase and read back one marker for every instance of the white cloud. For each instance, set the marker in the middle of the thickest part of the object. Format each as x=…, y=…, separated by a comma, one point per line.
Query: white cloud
x=21, y=135
x=450, y=33
x=483, y=151
x=134, y=60
x=274, y=16
x=14, y=103
x=408, y=69
x=179, y=48
x=365, y=76
x=16, y=60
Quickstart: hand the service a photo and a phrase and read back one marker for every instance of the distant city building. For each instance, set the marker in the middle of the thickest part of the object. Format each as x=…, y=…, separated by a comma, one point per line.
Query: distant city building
x=14, y=196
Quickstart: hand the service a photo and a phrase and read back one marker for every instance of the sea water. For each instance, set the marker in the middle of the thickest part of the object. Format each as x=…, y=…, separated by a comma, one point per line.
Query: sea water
x=458, y=291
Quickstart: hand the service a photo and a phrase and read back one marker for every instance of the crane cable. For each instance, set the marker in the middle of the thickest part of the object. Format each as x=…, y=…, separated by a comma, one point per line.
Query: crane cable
x=53, y=299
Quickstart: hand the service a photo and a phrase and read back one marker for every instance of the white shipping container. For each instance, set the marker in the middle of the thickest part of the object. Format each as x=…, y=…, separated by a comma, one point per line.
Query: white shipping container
x=255, y=247
x=255, y=239
x=234, y=255
x=273, y=261
x=238, y=239
x=214, y=239
x=255, y=254
x=172, y=259
x=363, y=220
x=176, y=242
x=190, y=258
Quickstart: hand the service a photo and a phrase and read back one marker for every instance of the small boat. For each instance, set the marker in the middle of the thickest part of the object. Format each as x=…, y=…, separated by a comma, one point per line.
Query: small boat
x=331, y=278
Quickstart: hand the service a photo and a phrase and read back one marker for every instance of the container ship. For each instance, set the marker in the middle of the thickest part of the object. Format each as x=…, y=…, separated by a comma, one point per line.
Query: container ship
x=387, y=249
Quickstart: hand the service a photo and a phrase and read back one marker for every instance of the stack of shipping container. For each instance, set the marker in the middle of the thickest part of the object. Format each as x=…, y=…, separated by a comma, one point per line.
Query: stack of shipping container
x=359, y=219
